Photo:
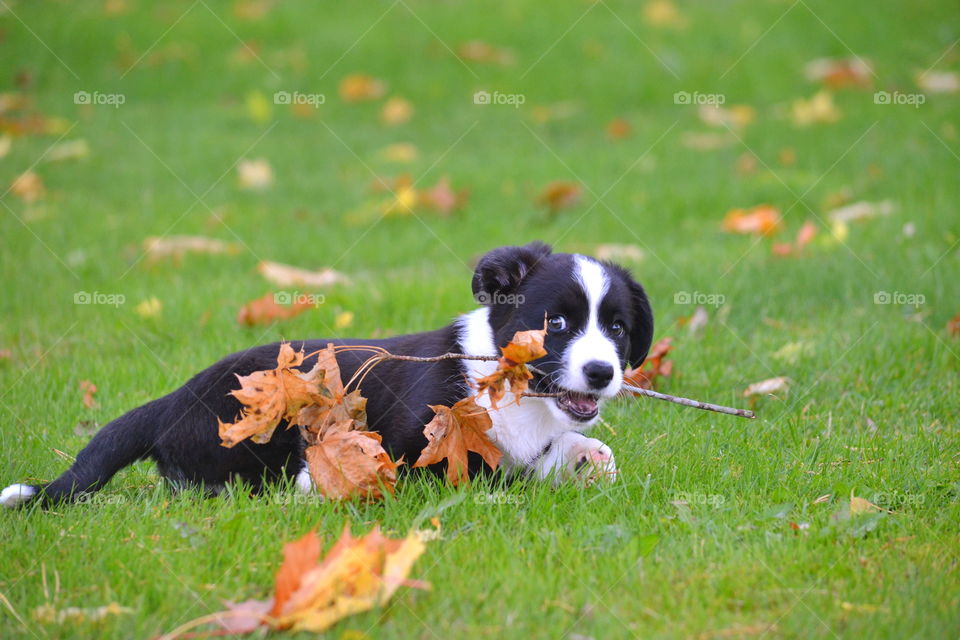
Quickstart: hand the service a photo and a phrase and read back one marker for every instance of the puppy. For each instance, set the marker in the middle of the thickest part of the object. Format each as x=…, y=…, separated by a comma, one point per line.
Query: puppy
x=598, y=320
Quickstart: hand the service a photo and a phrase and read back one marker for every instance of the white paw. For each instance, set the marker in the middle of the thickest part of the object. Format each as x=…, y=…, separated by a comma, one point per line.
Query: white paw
x=304, y=481
x=17, y=494
x=575, y=456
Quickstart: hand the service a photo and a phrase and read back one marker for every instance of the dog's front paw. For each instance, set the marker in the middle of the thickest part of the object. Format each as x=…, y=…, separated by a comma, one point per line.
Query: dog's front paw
x=575, y=456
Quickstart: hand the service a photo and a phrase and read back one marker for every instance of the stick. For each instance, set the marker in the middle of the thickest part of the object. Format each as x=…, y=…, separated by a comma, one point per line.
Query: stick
x=687, y=402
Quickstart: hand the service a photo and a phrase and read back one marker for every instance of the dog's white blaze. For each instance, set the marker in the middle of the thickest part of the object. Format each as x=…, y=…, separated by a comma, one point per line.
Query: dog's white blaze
x=16, y=494
x=521, y=431
x=592, y=344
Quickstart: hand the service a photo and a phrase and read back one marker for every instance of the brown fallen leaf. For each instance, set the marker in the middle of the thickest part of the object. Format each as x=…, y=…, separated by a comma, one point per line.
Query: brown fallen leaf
x=274, y=395
x=452, y=433
x=479, y=51
x=265, y=310
x=28, y=187
x=618, y=129
x=396, y=111
x=88, y=389
x=512, y=371
x=938, y=81
x=340, y=412
x=763, y=219
x=284, y=275
x=312, y=593
x=953, y=326
x=817, y=110
x=559, y=195
x=254, y=174
x=351, y=464
x=359, y=87
x=441, y=198
x=653, y=367
x=767, y=387
x=839, y=73
x=862, y=505
x=176, y=247
x=806, y=233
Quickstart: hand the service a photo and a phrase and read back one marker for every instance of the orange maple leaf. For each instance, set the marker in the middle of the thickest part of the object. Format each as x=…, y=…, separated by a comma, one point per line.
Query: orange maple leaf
x=271, y=396
x=512, y=370
x=763, y=220
x=654, y=366
x=452, y=433
x=266, y=310
x=342, y=412
x=351, y=464
x=560, y=195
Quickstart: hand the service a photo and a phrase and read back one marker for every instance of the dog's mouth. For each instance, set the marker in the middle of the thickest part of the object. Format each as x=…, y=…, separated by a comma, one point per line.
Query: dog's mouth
x=579, y=406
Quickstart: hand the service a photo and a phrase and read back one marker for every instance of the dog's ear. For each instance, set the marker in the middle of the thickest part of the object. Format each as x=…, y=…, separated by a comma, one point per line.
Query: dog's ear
x=641, y=335
x=502, y=270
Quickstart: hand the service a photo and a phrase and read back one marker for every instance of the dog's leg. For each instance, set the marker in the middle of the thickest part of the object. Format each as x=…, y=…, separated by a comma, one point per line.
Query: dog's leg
x=574, y=455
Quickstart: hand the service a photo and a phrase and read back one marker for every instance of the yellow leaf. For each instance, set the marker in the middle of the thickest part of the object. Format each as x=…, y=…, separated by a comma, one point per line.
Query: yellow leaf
x=149, y=308
x=862, y=505
x=258, y=107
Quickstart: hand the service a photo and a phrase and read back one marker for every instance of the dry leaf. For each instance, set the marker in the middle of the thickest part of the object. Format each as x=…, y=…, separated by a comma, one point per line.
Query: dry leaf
x=953, y=326
x=654, y=366
x=838, y=73
x=938, y=81
x=619, y=252
x=559, y=195
x=402, y=152
x=149, y=308
x=396, y=111
x=359, y=87
x=697, y=321
x=254, y=174
x=763, y=219
x=618, y=129
x=340, y=412
x=28, y=187
x=767, y=387
x=70, y=150
x=806, y=233
x=663, y=13
x=271, y=396
x=735, y=116
x=284, y=275
x=479, y=51
x=266, y=310
x=861, y=211
x=351, y=464
x=88, y=389
x=862, y=505
x=452, y=433
x=512, y=371
x=157, y=247
x=441, y=198
x=816, y=110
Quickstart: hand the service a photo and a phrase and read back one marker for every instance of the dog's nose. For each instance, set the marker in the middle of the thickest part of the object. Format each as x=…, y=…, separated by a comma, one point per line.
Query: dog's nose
x=598, y=373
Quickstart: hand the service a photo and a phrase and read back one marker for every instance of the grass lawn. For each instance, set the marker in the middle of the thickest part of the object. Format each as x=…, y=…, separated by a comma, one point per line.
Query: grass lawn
x=712, y=530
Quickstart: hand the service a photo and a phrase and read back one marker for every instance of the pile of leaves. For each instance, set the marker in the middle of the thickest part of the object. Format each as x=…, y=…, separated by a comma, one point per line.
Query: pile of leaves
x=346, y=459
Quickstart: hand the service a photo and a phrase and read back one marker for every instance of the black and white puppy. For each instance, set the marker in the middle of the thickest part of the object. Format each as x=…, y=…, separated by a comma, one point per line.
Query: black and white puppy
x=598, y=320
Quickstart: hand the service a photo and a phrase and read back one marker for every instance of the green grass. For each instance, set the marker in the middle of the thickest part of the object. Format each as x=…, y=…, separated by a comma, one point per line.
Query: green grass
x=874, y=405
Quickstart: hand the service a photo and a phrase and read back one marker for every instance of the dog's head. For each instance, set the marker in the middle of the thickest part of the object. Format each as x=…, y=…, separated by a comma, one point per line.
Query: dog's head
x=598, y=321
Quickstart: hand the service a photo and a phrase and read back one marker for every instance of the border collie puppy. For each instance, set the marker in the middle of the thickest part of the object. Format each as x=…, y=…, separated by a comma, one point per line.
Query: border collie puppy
x=598, y=320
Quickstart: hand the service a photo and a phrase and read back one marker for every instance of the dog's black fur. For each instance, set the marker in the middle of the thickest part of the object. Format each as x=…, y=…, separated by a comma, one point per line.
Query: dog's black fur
x=179, y=431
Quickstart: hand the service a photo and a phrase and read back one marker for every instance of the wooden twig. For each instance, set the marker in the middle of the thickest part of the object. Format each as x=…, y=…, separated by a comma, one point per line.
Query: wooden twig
x=687, y=402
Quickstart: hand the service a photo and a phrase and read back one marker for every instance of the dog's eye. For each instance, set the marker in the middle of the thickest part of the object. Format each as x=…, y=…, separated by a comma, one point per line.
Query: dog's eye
x=617, y=329
x=557, y=323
